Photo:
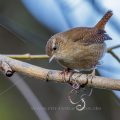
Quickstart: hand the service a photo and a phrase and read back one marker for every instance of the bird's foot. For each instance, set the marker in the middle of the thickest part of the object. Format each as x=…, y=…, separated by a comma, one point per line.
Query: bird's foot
x=65, y=72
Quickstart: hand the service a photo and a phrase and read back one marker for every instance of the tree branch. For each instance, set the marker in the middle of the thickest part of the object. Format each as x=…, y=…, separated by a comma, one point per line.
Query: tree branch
x=55, y=75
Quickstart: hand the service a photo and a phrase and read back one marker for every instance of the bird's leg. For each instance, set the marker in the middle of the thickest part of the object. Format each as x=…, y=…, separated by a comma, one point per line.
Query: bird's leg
x=93, y=72
x=92, y=75
x=65, y=72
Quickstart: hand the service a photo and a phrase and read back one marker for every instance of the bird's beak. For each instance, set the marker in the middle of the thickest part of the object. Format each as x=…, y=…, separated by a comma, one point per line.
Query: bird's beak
x=51, y=58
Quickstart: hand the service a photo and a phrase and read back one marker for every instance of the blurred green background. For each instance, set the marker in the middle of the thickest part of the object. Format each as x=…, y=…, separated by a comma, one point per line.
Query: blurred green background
x=32, y=38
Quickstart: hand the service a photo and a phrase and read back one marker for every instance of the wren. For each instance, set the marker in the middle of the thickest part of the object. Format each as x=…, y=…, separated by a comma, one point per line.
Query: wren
x=80, y=48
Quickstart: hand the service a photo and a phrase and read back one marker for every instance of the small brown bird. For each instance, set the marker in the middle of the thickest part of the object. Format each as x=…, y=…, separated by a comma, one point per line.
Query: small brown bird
x=79, y=48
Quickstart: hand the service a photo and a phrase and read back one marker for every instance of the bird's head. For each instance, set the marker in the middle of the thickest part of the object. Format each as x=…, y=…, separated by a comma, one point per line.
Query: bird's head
x=55, y=46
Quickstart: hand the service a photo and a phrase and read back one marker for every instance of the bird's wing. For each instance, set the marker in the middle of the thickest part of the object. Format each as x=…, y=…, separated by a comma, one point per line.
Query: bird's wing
x=88, y=35
x=97, y=38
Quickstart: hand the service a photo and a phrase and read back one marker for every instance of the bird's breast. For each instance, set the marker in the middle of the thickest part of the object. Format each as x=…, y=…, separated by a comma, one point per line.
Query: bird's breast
x=82, y=57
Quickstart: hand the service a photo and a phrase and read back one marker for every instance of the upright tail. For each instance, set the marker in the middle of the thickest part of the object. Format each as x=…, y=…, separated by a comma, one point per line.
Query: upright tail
x=101, y=24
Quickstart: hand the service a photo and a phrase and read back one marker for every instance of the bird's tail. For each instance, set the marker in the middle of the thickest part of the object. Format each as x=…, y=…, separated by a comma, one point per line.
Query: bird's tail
x=101, y=24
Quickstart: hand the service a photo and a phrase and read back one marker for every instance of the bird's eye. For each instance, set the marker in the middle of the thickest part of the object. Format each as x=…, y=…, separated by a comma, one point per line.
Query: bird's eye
x=54, y=48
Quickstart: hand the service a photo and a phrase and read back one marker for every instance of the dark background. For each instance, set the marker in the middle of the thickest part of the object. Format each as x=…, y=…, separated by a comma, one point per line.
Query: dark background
x=32, y=35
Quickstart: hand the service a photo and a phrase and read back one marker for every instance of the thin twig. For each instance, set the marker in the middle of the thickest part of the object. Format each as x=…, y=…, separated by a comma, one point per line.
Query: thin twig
x=27, y=56
x=115, y=56
x=112, y=53
x=113, y=47
x=55, y=75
